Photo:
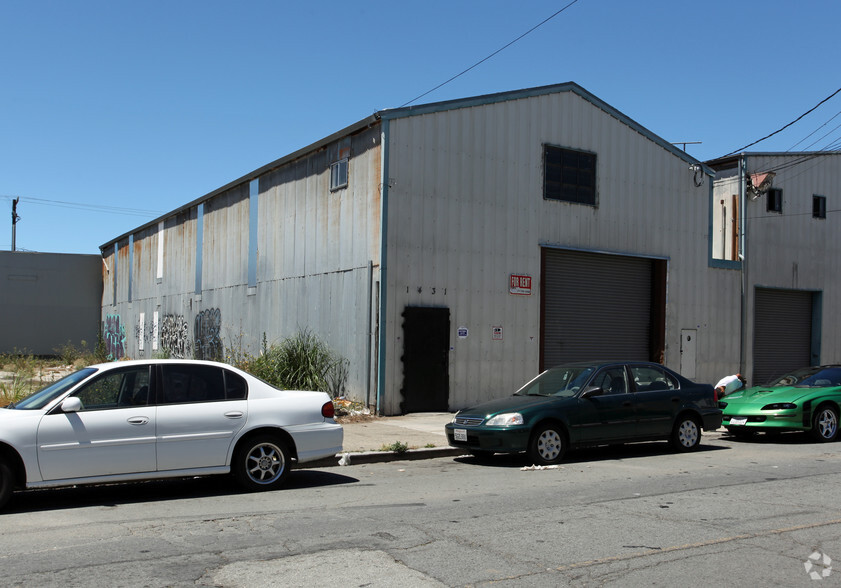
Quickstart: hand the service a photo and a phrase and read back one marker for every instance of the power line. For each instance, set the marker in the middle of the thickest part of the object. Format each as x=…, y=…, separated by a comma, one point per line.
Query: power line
x=82, y=206
x=491, y=55
x=785, y=127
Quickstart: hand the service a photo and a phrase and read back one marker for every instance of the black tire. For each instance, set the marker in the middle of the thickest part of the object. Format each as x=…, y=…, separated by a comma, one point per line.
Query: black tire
x=686, y=434
x=547, y=445
x=261, y=463
x=825, y=424
x=7, y=483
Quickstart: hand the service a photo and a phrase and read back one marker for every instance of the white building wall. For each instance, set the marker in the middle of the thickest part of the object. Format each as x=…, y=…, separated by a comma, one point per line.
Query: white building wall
x=466, y=211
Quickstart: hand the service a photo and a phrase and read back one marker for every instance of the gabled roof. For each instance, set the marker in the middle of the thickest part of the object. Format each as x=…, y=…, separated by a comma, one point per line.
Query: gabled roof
x=433, y=107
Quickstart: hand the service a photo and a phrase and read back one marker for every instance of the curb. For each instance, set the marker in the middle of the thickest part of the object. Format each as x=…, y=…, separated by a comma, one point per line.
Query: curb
x=383, y=456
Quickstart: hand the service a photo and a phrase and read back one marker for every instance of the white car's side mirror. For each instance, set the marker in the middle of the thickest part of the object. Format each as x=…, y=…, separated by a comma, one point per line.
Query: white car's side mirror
x=72, y=404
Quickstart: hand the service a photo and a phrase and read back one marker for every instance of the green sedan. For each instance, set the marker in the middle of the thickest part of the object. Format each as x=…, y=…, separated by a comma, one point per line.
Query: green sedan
x=587, y=404
x=803, y=400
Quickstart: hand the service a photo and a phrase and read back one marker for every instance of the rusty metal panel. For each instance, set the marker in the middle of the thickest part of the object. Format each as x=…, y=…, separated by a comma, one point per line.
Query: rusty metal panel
x=317, y=259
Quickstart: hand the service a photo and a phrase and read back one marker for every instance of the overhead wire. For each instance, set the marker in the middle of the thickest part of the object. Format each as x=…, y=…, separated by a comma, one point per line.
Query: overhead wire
x=90, y=207
x=785, y=126
x=504, y=47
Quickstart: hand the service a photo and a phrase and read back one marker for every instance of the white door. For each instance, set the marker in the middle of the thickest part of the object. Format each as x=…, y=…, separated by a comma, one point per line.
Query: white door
x=113, y=433
x=687, y=352
x=196, y=422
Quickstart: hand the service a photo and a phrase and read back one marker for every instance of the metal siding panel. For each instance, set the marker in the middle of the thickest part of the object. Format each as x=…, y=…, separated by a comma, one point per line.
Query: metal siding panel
x=477, y=215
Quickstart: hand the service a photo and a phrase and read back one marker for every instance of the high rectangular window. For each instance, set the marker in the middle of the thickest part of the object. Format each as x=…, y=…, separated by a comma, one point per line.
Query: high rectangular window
x=338, y=174
x=818, y=206
x=569, y=175
x=774, y=200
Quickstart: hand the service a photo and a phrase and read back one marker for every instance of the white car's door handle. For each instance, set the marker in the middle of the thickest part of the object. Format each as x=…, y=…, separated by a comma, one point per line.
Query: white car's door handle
x=138, y=420
x=234, y=414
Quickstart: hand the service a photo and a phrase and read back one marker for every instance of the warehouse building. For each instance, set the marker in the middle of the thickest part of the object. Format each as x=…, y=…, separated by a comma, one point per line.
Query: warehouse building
x=785, y=244
x=449, y=251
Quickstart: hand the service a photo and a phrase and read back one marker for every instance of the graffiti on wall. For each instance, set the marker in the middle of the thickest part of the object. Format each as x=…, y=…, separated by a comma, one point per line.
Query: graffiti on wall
x=114, y=336
x=208, y=340
x=175, y=336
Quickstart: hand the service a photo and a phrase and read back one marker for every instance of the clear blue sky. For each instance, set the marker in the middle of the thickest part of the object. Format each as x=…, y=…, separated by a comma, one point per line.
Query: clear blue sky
x=115, y=105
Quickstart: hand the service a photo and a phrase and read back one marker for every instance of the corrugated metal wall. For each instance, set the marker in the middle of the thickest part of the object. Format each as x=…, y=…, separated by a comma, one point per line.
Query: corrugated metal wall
x=793, y=250
x=317, y=260
x=466, y=211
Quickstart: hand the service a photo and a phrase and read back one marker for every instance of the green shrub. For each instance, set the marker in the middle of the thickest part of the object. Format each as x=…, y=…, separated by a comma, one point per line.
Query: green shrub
x=300, y=362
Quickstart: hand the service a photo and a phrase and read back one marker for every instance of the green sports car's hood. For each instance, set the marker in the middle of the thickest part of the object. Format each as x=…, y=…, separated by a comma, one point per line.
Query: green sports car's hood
x=764, y=395
x=513, y=404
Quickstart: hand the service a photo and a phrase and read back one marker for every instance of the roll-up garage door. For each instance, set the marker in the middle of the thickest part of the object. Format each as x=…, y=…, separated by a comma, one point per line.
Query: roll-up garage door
x=782, y=333
x=595, y=306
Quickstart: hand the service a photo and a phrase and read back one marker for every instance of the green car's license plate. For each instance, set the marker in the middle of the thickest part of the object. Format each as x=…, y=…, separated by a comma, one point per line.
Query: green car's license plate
x=739, y=421
x=460, y=434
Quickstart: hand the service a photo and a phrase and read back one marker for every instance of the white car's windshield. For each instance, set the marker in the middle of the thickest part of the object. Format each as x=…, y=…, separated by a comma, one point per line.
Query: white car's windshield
x=46, y=395
x=564, y=381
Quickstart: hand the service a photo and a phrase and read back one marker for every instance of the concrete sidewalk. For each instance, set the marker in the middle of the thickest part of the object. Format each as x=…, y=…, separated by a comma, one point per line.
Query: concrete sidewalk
x=369, y=441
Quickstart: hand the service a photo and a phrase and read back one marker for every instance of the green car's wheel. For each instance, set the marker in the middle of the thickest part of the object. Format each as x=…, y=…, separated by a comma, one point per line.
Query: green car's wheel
x=547, y=445
x=825, y=424
x=686, y=436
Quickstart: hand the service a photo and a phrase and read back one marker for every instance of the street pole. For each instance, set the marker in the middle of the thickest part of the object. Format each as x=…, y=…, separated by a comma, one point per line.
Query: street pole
x=15, y=219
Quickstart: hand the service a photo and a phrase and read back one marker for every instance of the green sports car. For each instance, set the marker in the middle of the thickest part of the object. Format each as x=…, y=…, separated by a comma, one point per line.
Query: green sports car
x=807, y=399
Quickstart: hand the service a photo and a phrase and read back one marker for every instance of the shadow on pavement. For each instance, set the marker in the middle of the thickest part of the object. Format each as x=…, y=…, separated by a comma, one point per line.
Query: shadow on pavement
x=782, y=438
x=590, y=454
x=112, y=495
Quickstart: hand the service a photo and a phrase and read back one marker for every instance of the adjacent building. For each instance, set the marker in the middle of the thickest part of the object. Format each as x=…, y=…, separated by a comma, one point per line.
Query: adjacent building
x=773, y=221
x=50, y=300
x=450, y=251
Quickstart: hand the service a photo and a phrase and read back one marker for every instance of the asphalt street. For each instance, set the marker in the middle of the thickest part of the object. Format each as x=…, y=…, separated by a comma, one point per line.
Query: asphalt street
x=732, y=513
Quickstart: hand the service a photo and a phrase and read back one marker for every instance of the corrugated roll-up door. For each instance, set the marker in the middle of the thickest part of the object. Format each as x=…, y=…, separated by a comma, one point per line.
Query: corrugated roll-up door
x=595, y=306
x=782, y=333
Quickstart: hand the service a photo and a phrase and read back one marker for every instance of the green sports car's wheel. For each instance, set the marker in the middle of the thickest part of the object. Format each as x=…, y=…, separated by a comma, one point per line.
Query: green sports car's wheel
x=547, y=445
x=825, y=424
x=686, y=436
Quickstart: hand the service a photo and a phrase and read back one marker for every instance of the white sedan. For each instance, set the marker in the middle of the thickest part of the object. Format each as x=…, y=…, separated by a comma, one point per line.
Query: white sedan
x=139, y=420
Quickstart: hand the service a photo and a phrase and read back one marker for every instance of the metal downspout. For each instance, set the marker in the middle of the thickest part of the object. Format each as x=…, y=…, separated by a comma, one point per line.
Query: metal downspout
x=744, y=259
x=381, y=359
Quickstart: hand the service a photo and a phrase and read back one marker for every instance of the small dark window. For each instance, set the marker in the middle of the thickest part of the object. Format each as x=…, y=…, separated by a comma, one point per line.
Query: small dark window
x=569, y=175
x=192, y=383
x=775, y=200
x=235, y=386
x=818, y=206
x=338, y=174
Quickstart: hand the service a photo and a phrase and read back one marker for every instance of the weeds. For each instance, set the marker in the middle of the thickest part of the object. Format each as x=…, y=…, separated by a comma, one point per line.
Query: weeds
x=397, y=447
x=301, y=362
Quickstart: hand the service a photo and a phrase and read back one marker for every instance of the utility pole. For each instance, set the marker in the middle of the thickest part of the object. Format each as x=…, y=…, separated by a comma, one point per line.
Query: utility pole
x=15, y=219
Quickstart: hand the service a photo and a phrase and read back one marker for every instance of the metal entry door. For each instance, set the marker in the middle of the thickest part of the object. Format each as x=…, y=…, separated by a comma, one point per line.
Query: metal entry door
x=426, y=359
